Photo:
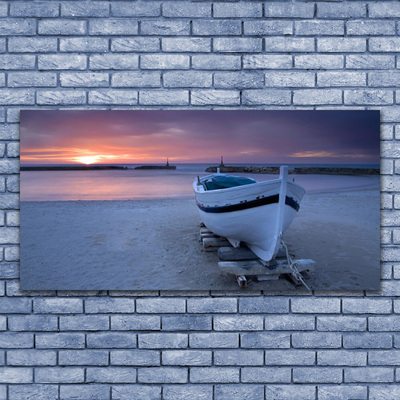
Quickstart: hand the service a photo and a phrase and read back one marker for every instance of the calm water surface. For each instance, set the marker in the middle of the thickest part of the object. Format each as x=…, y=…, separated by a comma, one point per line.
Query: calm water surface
x=152, y=184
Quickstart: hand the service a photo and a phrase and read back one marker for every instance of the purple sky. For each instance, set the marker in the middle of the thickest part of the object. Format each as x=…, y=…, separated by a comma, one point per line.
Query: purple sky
x=321, y=137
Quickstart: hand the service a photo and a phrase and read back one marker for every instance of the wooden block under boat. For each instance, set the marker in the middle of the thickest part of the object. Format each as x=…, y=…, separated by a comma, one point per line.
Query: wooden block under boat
x=235, y=254
x=205, y=233
x=214, y=242
x=256, y=267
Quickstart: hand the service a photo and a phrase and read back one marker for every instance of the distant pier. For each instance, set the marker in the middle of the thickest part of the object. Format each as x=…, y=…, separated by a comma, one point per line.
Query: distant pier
x=297, y=170
x=166, y=166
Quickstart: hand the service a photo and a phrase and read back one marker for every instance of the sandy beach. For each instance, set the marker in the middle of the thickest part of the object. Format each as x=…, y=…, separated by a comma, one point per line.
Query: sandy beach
x=154, y=245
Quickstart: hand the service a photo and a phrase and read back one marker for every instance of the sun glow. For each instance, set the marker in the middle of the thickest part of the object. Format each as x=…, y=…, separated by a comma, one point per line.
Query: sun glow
x=88, y=159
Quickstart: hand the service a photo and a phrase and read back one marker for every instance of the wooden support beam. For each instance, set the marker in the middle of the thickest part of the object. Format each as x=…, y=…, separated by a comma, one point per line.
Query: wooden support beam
x=255, y=267
x=235, y=254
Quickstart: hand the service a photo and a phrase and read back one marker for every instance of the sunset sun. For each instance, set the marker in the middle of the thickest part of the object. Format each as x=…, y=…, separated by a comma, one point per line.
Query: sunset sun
x=88, y=159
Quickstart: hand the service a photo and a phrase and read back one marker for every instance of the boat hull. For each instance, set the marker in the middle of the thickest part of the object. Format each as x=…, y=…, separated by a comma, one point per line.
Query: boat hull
x=254, y=214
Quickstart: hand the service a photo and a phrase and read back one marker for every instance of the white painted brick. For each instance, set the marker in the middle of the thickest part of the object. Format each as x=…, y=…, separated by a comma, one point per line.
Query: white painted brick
x=110, y=96
x=127, y=392
x=386, y=132
x=267, y=61
x=113, y=27
x=341, y=11
x=80, y=9
x=288, y=44
x=319, y=61
x=368, y=97
x=87, y=45
x=381, y=10
x=348, y=392
x=265, y=374
x=341, y=45
x=290, y=357
x=179, y=9
x=92, y=391
x=317, y=96
x=17, y=61
x=389, y=44
x=152, y=97
x=162, y=375
x=195, y=45
x=341, y=323
x=216, y=62
x=366, y=306
x=19, y=26
x=239, y=392
x=114, y=61
x=32, y=79
x=217, y=27
x=317, y=375
x=370, y=61
x=342, y=358
x=165, y=27
x=268, y=27
x=135, y=44
x=164, y=61
x=266, y=96
x=83, y=79
x=36, y=9
x=32, y=44
x=368, y=374
x=237, y=45
x=62, y=61
x=186, y=79
x=237, y=10
x=61, y=97
x=342, y=78
x=289, y=79
x=365, y=27
x=215, y=97
x=146, y=9
x=215, y=375
x=288, y=10
x=317, y=27
x=186, y=357
x=290, y=392
x=61, y=27
x=136, y=79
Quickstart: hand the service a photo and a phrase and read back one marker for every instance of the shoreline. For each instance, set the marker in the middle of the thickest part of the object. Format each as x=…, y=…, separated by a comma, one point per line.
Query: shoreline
x=191, y=197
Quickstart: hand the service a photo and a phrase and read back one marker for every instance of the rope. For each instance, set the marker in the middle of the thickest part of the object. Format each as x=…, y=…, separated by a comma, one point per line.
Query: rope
x=293, y=265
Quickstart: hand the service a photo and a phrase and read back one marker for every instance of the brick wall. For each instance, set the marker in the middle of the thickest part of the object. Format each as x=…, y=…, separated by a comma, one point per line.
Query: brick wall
x=200, y=54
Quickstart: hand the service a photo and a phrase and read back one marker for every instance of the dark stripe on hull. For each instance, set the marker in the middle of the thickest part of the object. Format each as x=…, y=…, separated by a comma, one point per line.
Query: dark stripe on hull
x=251, y=204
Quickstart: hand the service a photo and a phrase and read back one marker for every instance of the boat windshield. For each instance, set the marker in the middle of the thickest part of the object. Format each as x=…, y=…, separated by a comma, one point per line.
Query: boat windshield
x=223, y=182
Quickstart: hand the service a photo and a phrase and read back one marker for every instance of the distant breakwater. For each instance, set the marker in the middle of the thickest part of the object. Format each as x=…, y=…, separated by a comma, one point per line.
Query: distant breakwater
x=70, y=167
x=156, y=167
x=296, y=170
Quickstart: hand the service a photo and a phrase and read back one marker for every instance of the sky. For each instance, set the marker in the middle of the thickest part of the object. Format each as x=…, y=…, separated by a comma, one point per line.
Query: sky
x=186, y=136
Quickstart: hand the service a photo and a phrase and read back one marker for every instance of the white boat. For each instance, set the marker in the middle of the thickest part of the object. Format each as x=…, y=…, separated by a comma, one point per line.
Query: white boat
x=243, y=210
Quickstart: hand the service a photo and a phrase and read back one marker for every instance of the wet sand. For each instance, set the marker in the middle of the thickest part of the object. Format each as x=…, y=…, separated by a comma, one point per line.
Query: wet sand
x=154, y=245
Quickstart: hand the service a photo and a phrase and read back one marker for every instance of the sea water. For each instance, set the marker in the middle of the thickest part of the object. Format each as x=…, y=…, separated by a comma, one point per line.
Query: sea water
x=131, y=184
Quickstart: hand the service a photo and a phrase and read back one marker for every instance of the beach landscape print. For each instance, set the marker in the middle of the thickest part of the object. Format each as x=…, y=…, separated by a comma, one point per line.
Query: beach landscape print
x=200, y=200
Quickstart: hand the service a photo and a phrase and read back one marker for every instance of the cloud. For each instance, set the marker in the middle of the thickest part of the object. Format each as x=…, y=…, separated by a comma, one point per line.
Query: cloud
x=250, y=136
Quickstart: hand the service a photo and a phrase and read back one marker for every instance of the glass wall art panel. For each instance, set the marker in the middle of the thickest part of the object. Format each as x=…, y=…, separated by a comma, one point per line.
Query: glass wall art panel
x=200, y=200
